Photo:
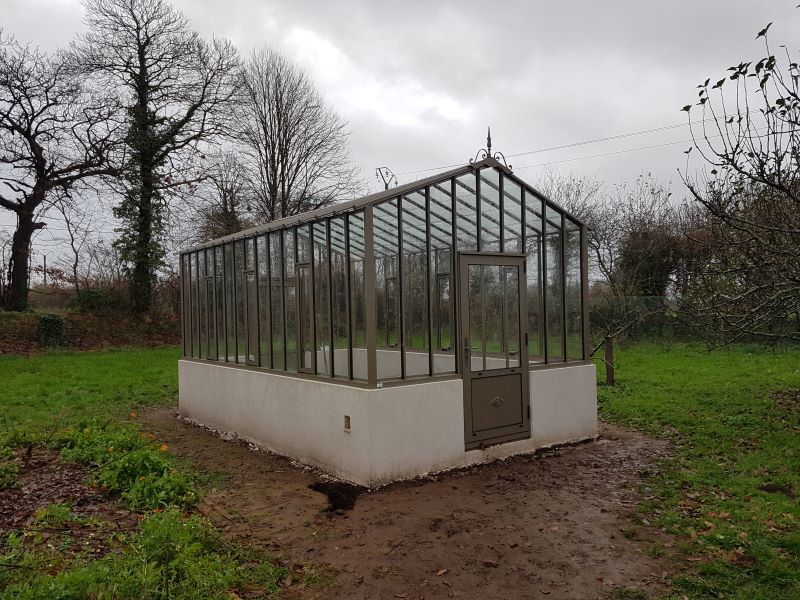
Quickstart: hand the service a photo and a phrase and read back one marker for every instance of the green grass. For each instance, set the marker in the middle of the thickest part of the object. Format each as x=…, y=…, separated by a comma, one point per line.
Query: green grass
x=58, y=387
x=730, y=492
x=80, y=404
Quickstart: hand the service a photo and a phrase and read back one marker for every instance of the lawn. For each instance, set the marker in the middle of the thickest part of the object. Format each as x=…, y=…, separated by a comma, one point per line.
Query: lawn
x=69, y=408
x=730, y=493
x=58, y=387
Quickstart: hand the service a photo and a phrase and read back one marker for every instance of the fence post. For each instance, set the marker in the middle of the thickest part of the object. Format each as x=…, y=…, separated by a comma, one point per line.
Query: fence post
x=609, y=360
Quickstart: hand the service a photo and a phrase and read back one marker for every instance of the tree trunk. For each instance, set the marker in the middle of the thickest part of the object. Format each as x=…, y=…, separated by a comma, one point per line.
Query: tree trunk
x=17, y=293
x=142, y=277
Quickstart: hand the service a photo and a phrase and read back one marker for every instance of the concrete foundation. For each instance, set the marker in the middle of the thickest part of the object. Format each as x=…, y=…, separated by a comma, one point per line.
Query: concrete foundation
x=394, y=432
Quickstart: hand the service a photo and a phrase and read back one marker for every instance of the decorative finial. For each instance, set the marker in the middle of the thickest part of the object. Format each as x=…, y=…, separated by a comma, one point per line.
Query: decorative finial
x=487, y=152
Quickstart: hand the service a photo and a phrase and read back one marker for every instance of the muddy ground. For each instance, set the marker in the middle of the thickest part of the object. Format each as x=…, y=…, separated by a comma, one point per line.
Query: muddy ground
x=560, y=524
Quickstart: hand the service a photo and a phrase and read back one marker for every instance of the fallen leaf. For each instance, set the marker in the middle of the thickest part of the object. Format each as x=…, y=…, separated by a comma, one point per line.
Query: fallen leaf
x=441, y=572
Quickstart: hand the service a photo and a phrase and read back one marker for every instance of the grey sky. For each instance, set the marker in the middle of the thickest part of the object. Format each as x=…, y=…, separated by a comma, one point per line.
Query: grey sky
x=419, y=81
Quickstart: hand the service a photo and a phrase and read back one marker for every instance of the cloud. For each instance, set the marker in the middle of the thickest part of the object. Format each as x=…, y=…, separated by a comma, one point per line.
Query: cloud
x=399, y=100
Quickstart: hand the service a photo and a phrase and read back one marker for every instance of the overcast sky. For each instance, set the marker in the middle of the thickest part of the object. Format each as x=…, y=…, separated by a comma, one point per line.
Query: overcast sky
x=419, y=81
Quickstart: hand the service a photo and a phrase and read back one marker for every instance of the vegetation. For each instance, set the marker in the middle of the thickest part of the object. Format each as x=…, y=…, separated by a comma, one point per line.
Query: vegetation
x=75, y=403
x=729, y=493
x=172, y=556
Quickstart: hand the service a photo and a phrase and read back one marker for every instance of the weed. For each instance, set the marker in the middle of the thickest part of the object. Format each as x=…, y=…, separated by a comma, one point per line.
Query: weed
x=129, y=463
x=9, y=469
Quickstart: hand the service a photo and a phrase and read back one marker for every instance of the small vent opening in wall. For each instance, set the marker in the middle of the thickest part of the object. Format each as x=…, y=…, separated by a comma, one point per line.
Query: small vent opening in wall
x=347, y=423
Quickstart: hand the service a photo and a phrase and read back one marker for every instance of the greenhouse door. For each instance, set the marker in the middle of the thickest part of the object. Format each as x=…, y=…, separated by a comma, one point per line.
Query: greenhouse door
x=494, y=358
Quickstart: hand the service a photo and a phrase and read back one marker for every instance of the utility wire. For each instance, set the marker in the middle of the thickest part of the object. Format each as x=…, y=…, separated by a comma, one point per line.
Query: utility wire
x=587, y=142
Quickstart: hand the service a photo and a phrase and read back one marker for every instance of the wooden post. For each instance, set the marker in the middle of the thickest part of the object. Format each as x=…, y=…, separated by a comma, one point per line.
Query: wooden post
x=609, y=360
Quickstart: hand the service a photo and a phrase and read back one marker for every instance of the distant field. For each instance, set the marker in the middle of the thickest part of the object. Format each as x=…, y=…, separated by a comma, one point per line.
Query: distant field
x=731, y=492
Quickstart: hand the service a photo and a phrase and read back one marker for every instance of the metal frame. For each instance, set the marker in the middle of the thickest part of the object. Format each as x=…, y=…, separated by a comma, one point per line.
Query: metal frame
x=465, y=214
x=474, y=438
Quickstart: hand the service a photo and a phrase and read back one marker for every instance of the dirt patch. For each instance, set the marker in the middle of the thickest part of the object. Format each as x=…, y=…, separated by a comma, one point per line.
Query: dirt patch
x=558, y=525
x=45, y=480
x=788, y=400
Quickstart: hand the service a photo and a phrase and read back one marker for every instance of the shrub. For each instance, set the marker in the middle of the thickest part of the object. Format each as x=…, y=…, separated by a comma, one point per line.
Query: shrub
x=50, y=331
x=99, y=300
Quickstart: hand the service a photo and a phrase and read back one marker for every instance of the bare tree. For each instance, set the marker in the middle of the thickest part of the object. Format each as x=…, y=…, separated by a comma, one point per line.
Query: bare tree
x=79, y=222
x=748, y=284
x=54, y=132
x=298, y=146
x=178, y=90
x=223, y=202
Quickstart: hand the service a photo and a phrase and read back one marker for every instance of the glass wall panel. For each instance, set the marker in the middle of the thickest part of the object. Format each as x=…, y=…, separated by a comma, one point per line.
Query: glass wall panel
x=510, y=277
x=387, y=290
x=466, y=219
x=305, y=321
x=512, y=216
x=490, y=210
x=211, y=320
x=303, y=244
x=264, y=346
x=195, y=307
x=339, y=320
x=415, y=285
x=290, y=295
x=191, y=296
x=322, y=298
x=441, y=260
x=202, y=305
x=357, y=297
x=230, y=309
x=554, y=287
x=240, y=304
x=534, y=300
x=572, y=250
x=219, y=291
x=276, y=296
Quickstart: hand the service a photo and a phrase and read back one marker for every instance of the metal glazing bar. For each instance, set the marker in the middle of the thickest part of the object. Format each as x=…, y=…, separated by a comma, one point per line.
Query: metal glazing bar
x=585, y=291
x=502, y=220
x=282, y=245
x=478, y=216
x=182, y=303
x=544, y=286
x=564, y=284
x=235, y=304
x=455, y=333
x=348, y=295
x=330, y=296
x=400, y=261
x=369, y=299
x=197, y=302
x=428, y=270
x=256, y=276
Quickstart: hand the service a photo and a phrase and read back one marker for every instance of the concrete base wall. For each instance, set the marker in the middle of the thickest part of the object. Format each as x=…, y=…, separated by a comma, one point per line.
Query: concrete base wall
x=395, y=432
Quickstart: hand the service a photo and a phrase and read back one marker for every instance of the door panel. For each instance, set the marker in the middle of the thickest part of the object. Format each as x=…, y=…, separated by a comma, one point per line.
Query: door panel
x=494, y=365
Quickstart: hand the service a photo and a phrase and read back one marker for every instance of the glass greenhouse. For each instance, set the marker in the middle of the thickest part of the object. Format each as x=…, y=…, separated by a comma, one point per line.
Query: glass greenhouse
x=470, y=274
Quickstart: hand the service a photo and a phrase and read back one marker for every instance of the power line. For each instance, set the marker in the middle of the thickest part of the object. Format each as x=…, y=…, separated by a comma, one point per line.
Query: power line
x=586, y=142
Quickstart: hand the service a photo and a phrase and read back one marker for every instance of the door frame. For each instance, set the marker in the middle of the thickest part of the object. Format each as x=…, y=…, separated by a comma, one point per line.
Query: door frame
x=472, y=440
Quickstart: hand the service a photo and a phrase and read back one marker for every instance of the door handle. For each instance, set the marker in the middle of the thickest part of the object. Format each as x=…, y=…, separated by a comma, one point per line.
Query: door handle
x=466, y=351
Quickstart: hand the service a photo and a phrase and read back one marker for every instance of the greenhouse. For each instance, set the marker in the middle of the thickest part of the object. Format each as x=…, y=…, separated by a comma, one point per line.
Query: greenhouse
x=433, y=325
